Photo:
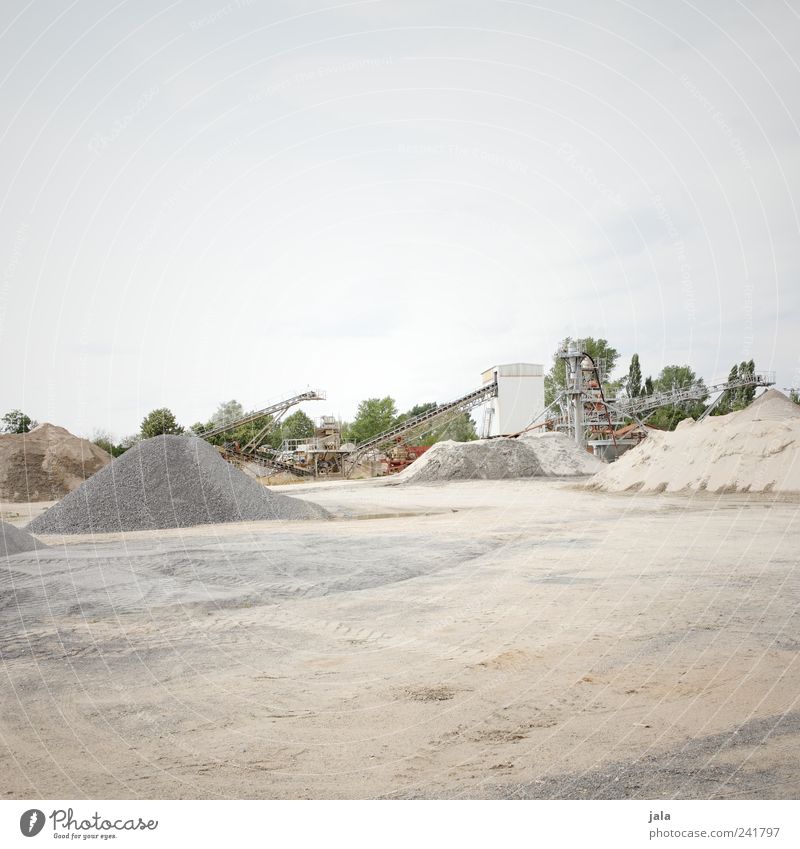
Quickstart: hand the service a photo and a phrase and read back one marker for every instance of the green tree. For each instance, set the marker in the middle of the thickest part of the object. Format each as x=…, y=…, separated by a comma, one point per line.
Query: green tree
x=634, y=383
x=794, y=395
x=417, y=410
x=727, y=402
x=737, y=399
x=242, y=434
x=297, y=426
x=460, y=428
x=103, y=439
x=128, y=442
x=647, y=389
x=227, y=411
x=246, y=432
x=16, y=421
x=676, y=377
x=747, y=394
x=604, y=355
x=158, y=422
x=374, y=416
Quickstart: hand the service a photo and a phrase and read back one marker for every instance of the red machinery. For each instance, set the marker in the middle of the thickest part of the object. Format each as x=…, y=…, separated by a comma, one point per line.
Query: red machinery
x=400, y=456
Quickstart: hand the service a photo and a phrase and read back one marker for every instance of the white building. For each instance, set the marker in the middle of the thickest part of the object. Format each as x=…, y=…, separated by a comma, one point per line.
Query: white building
x=520, y=397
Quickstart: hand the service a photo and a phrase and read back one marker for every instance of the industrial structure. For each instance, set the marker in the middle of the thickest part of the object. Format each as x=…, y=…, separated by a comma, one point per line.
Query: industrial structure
x=513, y=399
x=275, y=411
x=610, y=426
x=254, y=451
x=519, y=396
x=321, y=454
x=325, y=453
x=438, y=416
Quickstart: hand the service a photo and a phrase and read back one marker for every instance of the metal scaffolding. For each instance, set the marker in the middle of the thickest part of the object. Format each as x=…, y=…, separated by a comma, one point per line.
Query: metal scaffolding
x=594, y=422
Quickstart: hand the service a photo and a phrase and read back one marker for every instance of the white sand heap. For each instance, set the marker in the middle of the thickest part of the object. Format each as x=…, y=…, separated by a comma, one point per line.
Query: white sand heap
x=754, y=450
x=497, y=459
x=46, y=464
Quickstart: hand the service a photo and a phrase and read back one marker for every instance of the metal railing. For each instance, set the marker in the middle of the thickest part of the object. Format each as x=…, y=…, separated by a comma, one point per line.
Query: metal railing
x=695, y=392
x=273, y=409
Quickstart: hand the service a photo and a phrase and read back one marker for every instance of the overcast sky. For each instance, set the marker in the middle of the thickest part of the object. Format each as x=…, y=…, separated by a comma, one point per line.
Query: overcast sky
x=213, y=200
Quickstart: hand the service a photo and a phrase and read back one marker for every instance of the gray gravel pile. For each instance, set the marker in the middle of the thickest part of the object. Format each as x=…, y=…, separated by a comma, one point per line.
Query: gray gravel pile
x=16, y=541
x=559, y=456
x=168, y=482
x=542, y=455
x=483, y=459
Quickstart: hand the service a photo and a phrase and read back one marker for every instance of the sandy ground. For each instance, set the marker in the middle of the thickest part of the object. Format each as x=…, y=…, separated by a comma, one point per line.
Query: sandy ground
x=21, y=514
x=480, y=639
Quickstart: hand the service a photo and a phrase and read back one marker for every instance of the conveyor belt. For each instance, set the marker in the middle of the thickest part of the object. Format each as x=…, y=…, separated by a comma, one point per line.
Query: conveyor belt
x=273, y=409
x=466, y=402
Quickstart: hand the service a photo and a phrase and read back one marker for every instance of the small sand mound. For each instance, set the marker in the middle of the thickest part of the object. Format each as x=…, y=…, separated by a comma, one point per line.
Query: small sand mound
x=559, y=456
x=498, y=459
x=753, y=450
x=772, y=406
x=15, y=541
x=46, y=464
x=168, y=482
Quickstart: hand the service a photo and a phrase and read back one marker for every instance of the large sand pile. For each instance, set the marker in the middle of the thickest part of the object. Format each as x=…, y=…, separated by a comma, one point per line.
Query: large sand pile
x=15, y=541
x=46, y=464
x=168, y=482
x=502, y=458
x=753, y=450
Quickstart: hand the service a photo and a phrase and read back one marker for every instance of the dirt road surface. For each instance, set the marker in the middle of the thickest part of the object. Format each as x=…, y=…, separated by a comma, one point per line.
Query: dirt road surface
x=478, y=639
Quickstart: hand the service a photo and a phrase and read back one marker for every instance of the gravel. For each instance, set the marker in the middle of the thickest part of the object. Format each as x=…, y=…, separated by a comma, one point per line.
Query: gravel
x=168, y=482
x=237, y=569
x=15, y=541
x=549, y=455
x=559, y=456
x=714, y=766
x=484, y=459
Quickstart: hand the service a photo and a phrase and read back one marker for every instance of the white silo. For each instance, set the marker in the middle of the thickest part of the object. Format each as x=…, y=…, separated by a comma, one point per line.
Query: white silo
x=520, y=397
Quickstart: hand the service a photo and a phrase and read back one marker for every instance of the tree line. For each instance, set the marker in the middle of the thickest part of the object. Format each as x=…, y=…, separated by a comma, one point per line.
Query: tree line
x=162, y=421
